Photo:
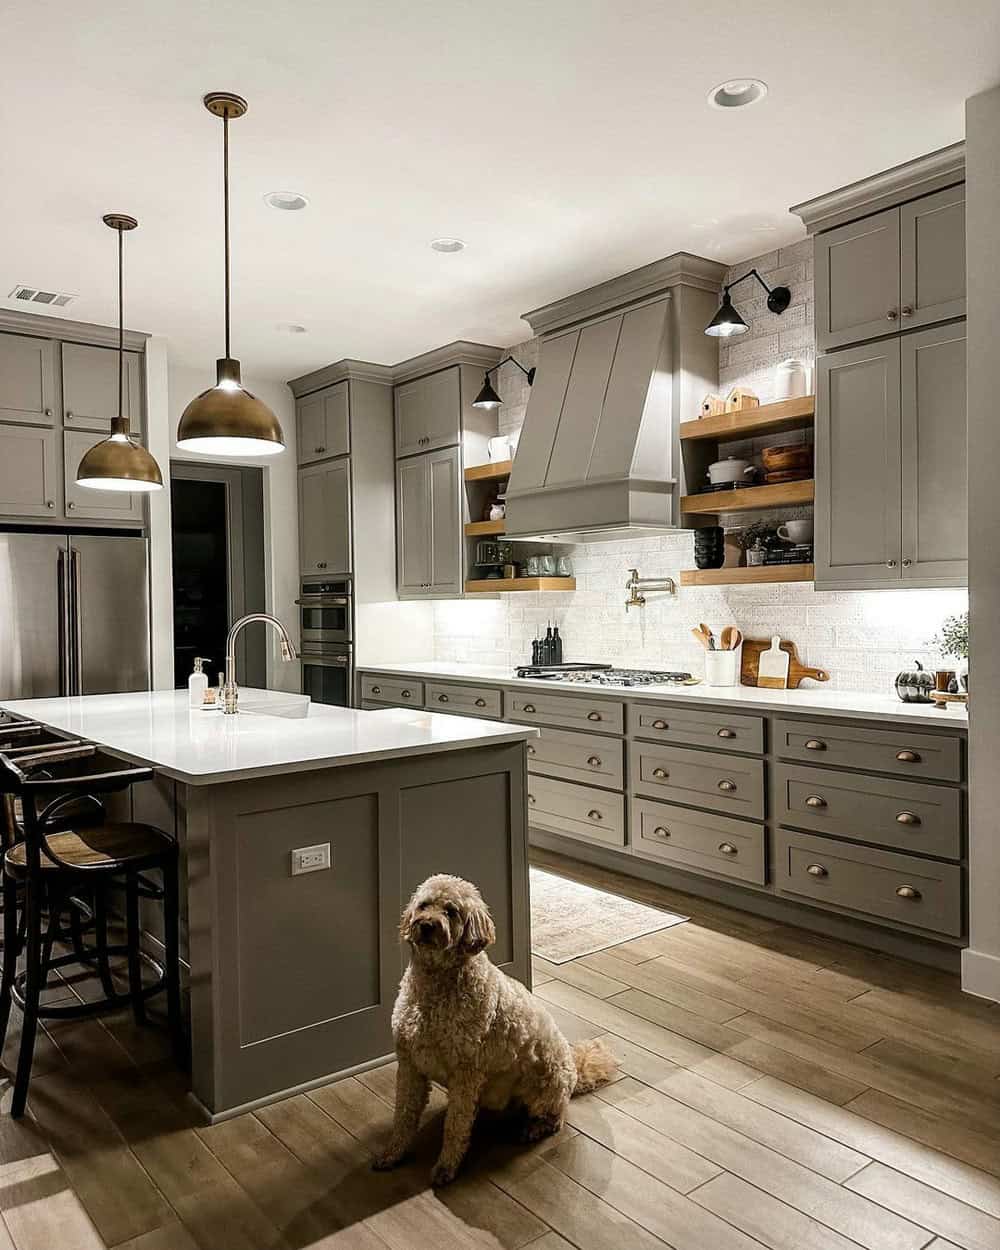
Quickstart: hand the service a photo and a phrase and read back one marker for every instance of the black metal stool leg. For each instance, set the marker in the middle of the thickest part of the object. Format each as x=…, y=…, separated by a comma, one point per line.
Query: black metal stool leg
x=101, y=939
x=172, y=971
x=134, y=934
x=11, y=945
x=32, y=986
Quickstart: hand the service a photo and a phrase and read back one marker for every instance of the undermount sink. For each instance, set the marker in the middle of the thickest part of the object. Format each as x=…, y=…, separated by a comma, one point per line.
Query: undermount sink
x=291, y=707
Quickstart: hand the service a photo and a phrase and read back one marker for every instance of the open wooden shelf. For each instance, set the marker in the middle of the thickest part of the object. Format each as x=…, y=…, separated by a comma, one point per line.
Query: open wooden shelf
x=749, y=498
x=786, y=414
x=484, y=529
x=488, y=472
x=504, y=585
x=756, y=576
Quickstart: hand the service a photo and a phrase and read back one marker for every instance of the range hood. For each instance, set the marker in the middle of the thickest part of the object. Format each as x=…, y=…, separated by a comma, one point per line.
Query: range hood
x=620, y=365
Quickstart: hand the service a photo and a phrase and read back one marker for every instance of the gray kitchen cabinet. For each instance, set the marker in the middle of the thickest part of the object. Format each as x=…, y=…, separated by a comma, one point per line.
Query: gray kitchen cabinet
x=932, y=258
x=429, y=524
x=27, y=379
x=90, y=387
x=323, y=421
x=429, y=412
x=325, y=517
x=934, y=460
x=28, y=471
x=85, y=504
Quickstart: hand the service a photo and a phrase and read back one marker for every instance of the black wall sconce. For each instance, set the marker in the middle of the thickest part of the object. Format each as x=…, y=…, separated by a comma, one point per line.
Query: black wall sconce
x=727, y=320
x=487, y=397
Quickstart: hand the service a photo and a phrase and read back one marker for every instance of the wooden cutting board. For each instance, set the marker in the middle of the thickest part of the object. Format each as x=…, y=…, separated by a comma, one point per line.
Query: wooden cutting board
x=752, y=647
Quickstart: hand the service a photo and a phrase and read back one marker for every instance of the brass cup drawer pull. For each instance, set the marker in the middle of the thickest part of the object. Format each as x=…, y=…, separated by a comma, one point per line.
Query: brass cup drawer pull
x=907, y=818
x=404, y=694
x=376, y=689
x=594, y=761
x=528, y=707
x=816, y=870
x=908, y=757
x=594, y=716
x=908, y=892
x=480, y=703
x=442, y=698
x=728, y=787
x=660, y=724
x=727, y=848
x=814, y=744
x=661, y=832
x=531, y=750
x=815, y=800
x=594, y=814
x=726, y=733
x=660, y=773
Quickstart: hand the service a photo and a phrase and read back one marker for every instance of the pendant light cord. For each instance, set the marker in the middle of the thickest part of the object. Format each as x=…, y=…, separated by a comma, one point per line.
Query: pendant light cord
x=121, y=321
x=225, y=196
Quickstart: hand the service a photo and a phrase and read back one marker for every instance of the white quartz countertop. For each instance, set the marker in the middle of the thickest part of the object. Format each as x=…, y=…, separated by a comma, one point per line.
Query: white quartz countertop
x=811, y=697
x=273, y=733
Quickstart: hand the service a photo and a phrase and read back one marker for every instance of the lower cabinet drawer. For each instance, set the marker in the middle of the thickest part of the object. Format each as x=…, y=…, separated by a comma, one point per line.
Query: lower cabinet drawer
x=576, y=811
x=902, y=815
x=898, y=750
x=578, y=757
x=463, y=700
x=566, y=711
x=697, y=727
x=698, y=841
x=726, y=783
x=394, y=690
x=883, y=884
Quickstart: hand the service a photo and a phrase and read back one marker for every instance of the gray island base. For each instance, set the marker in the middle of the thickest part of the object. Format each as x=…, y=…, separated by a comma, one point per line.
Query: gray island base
x=293, y=974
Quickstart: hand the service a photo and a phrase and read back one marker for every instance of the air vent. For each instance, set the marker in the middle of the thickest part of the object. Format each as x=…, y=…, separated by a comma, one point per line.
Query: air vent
x=32, y=295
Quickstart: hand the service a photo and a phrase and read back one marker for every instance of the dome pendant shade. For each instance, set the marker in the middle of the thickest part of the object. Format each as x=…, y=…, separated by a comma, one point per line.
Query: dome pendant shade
x=227, y=420
x=727, y=321
x=487, y=397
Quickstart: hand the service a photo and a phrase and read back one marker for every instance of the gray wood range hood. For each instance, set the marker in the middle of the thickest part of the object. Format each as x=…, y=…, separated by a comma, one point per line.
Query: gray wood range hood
x=620, y=366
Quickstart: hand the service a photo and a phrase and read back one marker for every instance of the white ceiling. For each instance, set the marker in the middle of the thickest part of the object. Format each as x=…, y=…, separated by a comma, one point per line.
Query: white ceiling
x=565, y=140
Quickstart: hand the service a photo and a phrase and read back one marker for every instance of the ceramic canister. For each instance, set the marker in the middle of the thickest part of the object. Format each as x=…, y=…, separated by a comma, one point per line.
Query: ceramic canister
x=791, y=379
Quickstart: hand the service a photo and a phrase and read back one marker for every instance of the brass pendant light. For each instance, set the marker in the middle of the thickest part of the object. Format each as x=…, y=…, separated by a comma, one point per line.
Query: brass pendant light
x=226, y=420
x=119, y=462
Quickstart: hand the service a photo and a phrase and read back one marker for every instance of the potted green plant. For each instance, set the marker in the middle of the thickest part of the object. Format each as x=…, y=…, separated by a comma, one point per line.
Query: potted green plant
x=953, y=640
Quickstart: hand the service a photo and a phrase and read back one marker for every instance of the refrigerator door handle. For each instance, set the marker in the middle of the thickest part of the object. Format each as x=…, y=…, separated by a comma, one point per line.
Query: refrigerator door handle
x=77, y=650
x=64, y=625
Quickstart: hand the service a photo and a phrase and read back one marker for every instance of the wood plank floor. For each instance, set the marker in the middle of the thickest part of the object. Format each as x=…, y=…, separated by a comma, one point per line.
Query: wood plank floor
x=777, y=1089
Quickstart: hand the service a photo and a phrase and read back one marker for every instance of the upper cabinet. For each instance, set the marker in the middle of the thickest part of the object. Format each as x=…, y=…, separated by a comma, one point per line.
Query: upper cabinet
x=429, y=511
x=27, y=379
x=429, y=412
x=323, y=424
x=90, y=387
x=894, y=270
x=29, y=484
x=325, y=517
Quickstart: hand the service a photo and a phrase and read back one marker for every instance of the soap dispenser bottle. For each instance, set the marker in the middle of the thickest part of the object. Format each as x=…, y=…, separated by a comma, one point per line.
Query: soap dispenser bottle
x=197, y=684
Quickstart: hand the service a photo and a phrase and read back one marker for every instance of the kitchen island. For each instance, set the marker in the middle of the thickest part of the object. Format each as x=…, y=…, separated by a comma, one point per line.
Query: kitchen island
x=303, y=829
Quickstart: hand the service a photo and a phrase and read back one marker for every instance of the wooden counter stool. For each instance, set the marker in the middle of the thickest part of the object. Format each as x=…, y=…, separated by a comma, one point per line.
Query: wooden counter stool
x=62, y=855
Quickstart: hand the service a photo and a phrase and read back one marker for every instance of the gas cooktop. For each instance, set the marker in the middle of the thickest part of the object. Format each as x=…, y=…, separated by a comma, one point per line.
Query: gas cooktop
x=604, y=675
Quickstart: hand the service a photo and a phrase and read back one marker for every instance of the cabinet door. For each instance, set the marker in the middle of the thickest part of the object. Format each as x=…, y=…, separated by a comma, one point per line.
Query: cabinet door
x=934, y=461
x=413, y=526
x=325, y=518
x=27, y=379
x=428, y=412
x=446, y=521
x=85, y=504
x=323, y=424
x=858, y=467
x=28, y=485
x=932, y=258
x=90, y=387
x=857, y=280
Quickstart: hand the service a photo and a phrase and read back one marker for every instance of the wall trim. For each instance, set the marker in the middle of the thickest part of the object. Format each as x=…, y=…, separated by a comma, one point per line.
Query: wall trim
x=16, y=321
x=461, y=352
x=981, y=974
x=927, y=173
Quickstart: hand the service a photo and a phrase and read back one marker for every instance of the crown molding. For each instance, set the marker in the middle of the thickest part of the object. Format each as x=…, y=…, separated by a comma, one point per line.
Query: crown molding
x=482, y=355
x=341, y=371
x=17, y=321
x=679, y=269
x=932, y=172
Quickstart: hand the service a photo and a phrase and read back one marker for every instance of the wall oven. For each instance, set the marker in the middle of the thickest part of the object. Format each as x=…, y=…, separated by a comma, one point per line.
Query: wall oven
x=327, y=673
x=325, y=610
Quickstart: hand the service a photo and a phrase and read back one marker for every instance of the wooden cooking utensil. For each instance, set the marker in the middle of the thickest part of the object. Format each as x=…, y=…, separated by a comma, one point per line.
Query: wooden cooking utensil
x=730, y=638
x=797, y=672
x=700, y=637
x=709, y=640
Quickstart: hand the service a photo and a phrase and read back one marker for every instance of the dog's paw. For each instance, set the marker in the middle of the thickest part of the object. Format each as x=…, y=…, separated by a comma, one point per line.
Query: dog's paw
x=442, y=1174
x=387, y=1161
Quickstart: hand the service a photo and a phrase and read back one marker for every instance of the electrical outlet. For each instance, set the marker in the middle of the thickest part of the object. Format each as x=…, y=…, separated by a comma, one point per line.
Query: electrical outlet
x=310, y=859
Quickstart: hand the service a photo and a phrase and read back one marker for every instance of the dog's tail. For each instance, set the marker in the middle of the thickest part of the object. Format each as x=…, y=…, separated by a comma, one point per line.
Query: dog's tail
x=595, y=1065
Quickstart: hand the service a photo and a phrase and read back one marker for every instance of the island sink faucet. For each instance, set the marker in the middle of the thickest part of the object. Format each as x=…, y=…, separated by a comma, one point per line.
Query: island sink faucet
x=230, y=691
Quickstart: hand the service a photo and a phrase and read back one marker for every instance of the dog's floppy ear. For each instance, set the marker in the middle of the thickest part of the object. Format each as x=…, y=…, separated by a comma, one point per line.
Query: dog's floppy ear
x=406, y=920
x=479, y=929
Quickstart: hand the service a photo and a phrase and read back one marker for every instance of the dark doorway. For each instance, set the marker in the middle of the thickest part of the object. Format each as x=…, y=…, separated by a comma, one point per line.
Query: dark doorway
x=218, y=559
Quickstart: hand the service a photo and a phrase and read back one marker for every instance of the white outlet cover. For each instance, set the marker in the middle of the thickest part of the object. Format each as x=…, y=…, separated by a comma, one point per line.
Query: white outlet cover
x=310, y=859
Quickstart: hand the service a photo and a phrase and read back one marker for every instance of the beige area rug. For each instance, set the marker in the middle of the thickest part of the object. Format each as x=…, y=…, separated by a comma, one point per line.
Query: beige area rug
x=569, y=919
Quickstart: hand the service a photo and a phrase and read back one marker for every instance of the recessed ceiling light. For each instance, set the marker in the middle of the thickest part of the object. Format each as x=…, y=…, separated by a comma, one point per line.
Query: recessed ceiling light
x=288, y=201
x=447, y=245
x=737, y=93
x=292, y=327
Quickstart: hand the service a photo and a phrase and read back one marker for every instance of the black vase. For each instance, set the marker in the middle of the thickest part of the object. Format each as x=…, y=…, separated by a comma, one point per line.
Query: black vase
x=710, y=547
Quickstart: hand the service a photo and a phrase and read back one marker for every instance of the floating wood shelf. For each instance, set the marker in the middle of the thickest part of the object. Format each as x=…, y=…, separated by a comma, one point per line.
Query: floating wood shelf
x=488, y=472
x=504, y=585
x=748, y=576
x=484, y=529
x=786, y=414
x=749, y=498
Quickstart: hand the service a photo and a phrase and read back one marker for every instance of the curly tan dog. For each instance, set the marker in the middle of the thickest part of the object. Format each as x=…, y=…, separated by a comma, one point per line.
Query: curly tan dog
x=461, y=1022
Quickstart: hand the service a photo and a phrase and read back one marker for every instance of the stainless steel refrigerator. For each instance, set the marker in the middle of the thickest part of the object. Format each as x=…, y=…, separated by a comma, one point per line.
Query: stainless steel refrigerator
x=74, y=614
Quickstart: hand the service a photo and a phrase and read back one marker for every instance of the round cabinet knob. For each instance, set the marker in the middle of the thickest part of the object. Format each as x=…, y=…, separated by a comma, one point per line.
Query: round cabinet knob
x=442, y=698
x=531, y=750
x=594, y=716
x=906, y=310
x=594, y=814
x=907, y=818
x=660, y=724
x=660, y=773
x=50, y=503
x=528, y=707
x=726, y=733
x=48, y=412
x=890, y=564
x=480, y=703
x=594, y=761
x=907, y=563
x=376, y=689
x=319, y=450
x=404, y=694
x=908, y=757
x=727, y=848
x=69, y=415
x=728, y=787
x=908, y=892
x=71, y=506
x=321, y=565
x=531, y=798
x=661, y=832
x=816, y=870
x=814, y=800
x=891, y=315
x=815, y=744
